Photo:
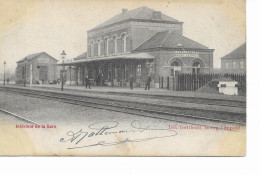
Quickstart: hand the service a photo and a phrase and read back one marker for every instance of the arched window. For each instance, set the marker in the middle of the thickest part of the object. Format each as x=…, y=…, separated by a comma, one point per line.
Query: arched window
x=106, y=46
x=99, y=47
x=196, y=67
x=91, y=49
x=115, y=44
x=175, y=64
x=124, y=43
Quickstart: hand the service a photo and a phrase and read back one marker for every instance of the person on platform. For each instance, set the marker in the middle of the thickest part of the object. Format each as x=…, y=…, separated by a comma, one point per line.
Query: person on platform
x=87, y=81
x=148, y=81
x=131, y=81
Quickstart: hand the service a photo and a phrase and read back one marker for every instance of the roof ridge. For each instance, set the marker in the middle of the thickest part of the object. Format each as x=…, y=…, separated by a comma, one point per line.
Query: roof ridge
x=139, y=10
x=157, y=33
x=35, y=55
x=169, y=39
x=166, y=37
x=141, y=13
x=147, y=40
x=234, y=50
x=191, y=40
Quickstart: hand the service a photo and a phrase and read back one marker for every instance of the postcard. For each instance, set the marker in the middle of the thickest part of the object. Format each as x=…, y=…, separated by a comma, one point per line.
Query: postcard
x=123, y=78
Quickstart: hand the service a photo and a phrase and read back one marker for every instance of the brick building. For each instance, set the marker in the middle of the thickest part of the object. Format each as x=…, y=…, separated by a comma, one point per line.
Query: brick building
x=44, y=68
x=140, y=42
x=235, y=61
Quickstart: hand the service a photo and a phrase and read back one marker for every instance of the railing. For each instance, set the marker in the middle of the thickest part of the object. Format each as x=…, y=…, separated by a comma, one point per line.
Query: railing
x=192, y=82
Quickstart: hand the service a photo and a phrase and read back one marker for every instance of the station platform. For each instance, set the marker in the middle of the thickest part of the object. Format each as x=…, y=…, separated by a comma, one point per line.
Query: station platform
x=124, y=94
x=152, y=91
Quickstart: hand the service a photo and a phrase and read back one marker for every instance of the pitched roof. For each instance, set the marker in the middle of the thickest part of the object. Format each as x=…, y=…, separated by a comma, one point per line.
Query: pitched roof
x=141, y=13
x=81, y=56
x=33, y=56
x=239, y=52
x=168, y=39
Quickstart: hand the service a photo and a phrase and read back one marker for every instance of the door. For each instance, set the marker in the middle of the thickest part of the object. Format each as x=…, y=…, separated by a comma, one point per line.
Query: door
x=43, y=73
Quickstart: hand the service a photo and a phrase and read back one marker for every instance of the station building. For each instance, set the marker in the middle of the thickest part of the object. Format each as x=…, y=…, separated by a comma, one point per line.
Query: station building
x=235, y=61
x=43, y=67
x=139, y=42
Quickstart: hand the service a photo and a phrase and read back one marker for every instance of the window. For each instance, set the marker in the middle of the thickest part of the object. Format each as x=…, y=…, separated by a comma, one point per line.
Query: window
x=115, y=44
x=234, y=65
x=106, y=46
x=139, y=69
x=241, y=64
x=173, y=71
x=91, y=49
x=226, y=65
x=123, y=43
x=99, y=47
x=196, y=67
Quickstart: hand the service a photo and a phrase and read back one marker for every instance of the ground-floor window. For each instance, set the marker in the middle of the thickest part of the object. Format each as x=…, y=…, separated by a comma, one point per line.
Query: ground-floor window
x=234, y=65
x=173, y=70
x=196, y=67
x=139, y=70
x=226, y=66
x=241, y=64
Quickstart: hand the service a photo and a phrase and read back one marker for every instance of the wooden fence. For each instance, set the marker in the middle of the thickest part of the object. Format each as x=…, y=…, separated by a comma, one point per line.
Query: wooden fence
x=191, y=82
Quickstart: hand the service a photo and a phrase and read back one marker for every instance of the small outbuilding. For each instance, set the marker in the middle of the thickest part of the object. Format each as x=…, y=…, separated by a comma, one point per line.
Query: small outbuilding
x=41, y=66
x=235, y=61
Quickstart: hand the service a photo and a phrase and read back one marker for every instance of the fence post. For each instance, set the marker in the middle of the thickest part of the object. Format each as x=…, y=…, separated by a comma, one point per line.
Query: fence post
x=168, y=82
x=162, y=82
x=159, y=82
x=176, y=82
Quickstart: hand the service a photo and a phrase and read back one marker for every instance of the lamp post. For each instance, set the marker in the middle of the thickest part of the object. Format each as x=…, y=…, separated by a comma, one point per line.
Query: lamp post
x=63, y=56
x=4, y=72
x=25, y=59
x=70, y=75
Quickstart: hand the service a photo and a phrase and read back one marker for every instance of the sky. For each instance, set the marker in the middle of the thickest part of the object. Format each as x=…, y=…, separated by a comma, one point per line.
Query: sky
x=31, y=26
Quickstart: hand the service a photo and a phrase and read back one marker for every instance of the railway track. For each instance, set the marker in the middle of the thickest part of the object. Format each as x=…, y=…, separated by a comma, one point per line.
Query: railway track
x=143, y=109
x=188, y=100
x=218, y=102
x=20, y=117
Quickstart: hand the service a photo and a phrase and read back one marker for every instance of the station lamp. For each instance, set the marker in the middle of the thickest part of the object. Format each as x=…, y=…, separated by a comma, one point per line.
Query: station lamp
x=63, y=57
x=4, y=72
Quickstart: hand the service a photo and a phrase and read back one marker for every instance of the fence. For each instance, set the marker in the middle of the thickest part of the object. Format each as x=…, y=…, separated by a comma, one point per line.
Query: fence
x=191, y=82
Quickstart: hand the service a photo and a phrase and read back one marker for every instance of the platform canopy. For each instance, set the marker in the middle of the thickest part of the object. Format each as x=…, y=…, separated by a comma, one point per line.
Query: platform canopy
x=128, y=56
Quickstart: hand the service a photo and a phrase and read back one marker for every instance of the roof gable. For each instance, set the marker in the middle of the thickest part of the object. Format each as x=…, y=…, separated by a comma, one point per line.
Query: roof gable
x=239, y=52
x=141, y=13
x=33, y=56
x=81, y=56
x=168, y=39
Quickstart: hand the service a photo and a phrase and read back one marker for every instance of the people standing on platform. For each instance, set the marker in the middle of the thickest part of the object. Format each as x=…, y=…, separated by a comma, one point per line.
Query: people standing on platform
x=131, y=81
x=102, y=80
x=98, y=80
x=87, y=81
x=148, y=81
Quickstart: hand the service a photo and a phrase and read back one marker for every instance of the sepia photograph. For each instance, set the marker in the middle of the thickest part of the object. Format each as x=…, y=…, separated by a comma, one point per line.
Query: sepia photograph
x=123, y=78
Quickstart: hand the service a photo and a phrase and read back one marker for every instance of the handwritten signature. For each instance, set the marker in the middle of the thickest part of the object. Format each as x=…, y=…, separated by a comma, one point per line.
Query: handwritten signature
x=106, y=129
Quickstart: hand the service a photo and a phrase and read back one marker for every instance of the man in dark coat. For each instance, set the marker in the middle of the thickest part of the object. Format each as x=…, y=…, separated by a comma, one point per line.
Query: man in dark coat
x=131, y=81
x=87, y=81
x=148, y=81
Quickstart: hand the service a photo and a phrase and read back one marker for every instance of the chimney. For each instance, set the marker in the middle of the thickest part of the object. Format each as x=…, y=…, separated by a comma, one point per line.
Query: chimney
x=157, y=15
x=124, y=11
